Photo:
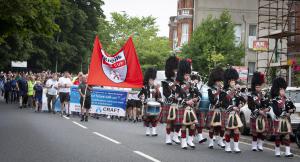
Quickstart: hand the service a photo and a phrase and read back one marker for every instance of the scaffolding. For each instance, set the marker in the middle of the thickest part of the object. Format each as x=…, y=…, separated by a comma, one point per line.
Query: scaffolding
x=277, y=26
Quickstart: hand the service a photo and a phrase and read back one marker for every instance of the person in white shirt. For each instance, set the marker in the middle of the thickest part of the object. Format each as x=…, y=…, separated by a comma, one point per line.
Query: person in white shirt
x=64, y=84
x=51, y=86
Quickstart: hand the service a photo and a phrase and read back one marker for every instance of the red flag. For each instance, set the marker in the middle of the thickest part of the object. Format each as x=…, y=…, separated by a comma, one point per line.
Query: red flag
x=120, y=70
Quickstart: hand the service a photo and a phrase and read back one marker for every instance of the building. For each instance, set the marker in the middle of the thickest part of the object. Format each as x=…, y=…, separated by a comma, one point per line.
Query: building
x=256, y=22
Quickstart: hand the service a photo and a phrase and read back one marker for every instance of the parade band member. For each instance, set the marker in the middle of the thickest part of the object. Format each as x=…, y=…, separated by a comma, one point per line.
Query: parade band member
x=64, y=84
x=232, y=102
x=85, y=98
x=195, y=78
x=170, y=105
x=282, y=108
x=147, y=94
x=187, y=98
x=216, y=116
x=259, y=106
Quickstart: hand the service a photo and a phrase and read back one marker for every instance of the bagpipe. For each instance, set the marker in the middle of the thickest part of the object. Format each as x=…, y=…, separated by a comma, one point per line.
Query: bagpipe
x=289, y=105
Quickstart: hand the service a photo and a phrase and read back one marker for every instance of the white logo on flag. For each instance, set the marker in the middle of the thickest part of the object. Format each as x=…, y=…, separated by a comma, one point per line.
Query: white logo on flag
x=114, y=67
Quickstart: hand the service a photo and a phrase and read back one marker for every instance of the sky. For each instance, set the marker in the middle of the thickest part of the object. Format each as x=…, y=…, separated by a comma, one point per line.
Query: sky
x=160, y=9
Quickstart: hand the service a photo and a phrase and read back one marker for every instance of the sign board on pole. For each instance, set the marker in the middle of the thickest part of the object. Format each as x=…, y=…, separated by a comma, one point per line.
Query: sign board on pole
x=19, y=64
x=260, y=45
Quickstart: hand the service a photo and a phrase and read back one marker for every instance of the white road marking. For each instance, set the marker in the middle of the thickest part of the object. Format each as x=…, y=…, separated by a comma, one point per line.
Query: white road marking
x=265, y=148
x=110, y=139
x=84, y=127
x=146, y=156
x=66, y=117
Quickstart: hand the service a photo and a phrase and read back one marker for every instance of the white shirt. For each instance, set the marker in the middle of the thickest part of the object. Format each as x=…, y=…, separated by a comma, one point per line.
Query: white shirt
x=51, y=84
x=62, y=82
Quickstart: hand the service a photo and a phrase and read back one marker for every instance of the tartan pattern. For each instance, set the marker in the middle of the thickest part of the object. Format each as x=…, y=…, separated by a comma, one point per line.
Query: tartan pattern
x=179, y=116
x=209, y=116
x=275, y=128
x=253, y=125
x=201, y=118
x=163, y=116
x=150, y=119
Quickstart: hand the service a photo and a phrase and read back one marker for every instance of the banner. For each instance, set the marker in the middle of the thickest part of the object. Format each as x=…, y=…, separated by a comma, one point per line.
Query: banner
x=260, y=45
x=104, y=101
x=119, y=70
x=20, y=64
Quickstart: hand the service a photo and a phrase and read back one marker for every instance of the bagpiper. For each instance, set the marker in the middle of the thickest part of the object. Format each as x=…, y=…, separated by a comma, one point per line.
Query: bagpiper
x=187, y=99
x=195, y=78
x=215, y=121
x=282, y=108
x=170, y=103
x=150, y=96
x=232, y=102
x=258, y=103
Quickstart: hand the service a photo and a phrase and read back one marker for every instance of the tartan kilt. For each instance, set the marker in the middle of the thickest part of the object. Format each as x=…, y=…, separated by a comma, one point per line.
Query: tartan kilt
x=209, y=116
x=150, y=119
x=163, y=116
x=201, y=118
x=276, y=127
x=253, y=125
x=179, y=116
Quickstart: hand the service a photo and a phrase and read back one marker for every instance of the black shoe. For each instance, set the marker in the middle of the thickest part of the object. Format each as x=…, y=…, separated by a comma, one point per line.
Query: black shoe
x=203, y=140
x=185, y=148
x=68, y=115
x=82, y=118
x=254, y=150
x=260, y=150
x=169, y=143
x=211, y=147
x=289, y=156
x=154, y=135
x=178, y=143
x=277, y=156
x=86, y=118
x=193, y=147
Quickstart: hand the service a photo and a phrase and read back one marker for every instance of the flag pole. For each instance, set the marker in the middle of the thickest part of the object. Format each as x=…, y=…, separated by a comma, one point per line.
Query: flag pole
x=86, y=86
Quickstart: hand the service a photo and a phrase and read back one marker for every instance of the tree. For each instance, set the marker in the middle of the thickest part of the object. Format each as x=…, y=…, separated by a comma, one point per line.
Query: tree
x=21, y=20
x=151, y=49
x=214, y=42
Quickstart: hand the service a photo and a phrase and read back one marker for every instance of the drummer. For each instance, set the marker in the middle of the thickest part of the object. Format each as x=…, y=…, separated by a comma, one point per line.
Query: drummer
x=147, y=94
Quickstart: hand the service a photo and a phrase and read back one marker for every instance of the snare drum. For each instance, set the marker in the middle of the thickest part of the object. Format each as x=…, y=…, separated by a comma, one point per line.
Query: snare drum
x=152, y=108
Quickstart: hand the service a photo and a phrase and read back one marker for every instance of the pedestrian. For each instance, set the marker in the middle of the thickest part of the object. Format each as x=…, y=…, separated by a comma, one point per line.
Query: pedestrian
x=282, y=108
x=78, y=79
x=64, y=84
x=51, y=86
x=232, y=102
x=169, y=106
x=22, y=89
x=85, y=98
x=30, y=85
x=259, y=106
x=38, y=95
x=7, y=90
x=215, y=118
x=14, y=91
x=151, y=106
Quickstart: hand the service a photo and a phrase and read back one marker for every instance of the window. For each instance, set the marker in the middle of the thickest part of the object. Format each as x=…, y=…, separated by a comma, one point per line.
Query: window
x=174, y=39
x=252, y=30
x=293, y=26
x=185, y=12
x=238, y=34
x=185, y=34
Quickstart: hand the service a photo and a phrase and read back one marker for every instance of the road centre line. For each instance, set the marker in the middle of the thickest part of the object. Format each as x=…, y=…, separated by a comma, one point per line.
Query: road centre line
x=105, y=137
x=66, y=117
x=146, y=156
x=84, y=127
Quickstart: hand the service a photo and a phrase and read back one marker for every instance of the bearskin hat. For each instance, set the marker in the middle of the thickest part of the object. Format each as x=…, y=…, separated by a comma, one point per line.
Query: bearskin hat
x=230, y=74
x=171, y=65
x=257, y=79
x=217, y=74
x=149, y=74
x=276, y=85
x=184, y=67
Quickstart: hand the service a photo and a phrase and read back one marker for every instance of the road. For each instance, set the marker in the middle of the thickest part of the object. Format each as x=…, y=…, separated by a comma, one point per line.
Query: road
x=41, y=137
